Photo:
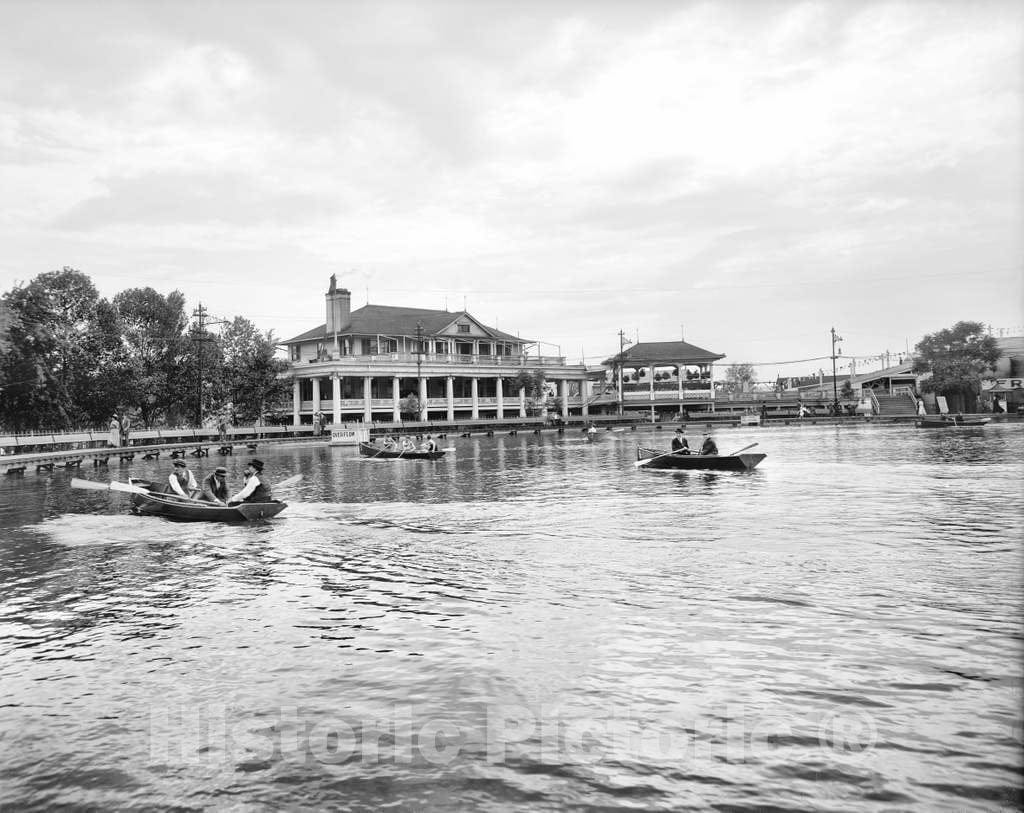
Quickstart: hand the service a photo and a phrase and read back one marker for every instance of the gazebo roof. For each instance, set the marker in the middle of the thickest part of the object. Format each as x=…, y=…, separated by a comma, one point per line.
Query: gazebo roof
x=643, y=353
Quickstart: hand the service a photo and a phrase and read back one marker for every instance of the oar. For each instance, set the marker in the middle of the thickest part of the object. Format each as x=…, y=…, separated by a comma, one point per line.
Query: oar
x=289, y=482
x=112, y=486
x=751, y=446
x=647, y=460
x=447, y=449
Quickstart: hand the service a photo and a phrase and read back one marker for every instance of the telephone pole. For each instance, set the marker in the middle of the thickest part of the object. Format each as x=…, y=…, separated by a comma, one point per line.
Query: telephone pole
x=835, y=387
x=201, y=315
x=623, y=341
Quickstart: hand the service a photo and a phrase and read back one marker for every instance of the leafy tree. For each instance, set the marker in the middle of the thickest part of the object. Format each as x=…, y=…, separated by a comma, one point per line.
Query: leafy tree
x=956, y=358
x=58, y=331
x=251, y=374
x=738, y=377
x=409, y=407
x=153, y=348
x=532, y=381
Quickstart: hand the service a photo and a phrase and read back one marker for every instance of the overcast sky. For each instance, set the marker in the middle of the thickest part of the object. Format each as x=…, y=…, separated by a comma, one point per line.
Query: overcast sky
x=745, y=174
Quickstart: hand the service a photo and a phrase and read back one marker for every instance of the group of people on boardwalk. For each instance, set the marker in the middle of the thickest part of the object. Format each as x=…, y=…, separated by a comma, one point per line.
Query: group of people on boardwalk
x=681, y=446
x=406, y=444
x=214, y=488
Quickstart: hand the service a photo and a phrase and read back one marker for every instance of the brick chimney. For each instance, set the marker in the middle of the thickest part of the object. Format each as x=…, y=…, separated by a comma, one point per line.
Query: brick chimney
x=339, y=306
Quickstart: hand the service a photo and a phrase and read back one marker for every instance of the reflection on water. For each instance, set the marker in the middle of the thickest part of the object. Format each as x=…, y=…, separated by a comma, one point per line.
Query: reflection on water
x=531, y=620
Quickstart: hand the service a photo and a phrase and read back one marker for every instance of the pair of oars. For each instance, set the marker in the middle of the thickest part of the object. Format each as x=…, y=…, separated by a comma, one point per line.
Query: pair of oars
x=131, y=488
x=647, y=460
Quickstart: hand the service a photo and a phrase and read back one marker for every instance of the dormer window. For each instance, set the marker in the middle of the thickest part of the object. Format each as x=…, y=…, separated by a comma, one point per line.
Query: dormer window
x=463, y=328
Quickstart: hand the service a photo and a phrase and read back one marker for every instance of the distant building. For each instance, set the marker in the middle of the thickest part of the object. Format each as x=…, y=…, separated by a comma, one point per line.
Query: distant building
x=665, y=377
x=387, y=363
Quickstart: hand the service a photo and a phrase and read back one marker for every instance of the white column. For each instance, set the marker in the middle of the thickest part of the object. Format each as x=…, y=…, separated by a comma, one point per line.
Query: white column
x=650, y=375
x=476, y=397
x=367, y=399
x=711, y=384
x=423, y=399
x=296, y=403
x=585, y=393
x=680, y=372
x=336, y=398
x=396, y=396
x=498, y=396
x=563, y=393
x=449, y=387
x=522, y=402
x=316, y=395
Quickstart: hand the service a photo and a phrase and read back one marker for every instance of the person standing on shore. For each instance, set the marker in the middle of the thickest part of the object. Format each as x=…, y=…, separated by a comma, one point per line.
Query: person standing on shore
x=115, y=431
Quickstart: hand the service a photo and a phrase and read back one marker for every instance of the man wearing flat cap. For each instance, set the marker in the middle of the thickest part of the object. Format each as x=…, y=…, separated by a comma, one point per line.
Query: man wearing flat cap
x=215, y=487
x=181, y=481
x=255, y=488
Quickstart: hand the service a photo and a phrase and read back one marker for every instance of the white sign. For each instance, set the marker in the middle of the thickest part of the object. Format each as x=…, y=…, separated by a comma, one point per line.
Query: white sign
x=344, y=436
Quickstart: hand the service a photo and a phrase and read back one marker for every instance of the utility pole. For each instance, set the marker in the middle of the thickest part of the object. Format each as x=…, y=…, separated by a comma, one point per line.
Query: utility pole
x=200, y=338
x=623, y=341
x=835, y=387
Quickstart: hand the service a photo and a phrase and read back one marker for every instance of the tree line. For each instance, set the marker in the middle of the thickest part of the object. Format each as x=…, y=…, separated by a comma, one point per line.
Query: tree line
x=70, y=358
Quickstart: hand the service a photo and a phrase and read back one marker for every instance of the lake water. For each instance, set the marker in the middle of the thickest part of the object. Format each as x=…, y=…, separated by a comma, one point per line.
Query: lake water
x=531, y=622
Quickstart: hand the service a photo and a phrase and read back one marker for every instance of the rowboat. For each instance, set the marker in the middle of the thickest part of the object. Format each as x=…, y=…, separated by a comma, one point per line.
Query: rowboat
x=156, y=503
x=657, y=459
x=947, y=422
x=372, y=450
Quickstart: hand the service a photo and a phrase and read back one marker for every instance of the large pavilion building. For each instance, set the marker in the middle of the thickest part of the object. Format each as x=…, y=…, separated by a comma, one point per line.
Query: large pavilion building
x=385, y=363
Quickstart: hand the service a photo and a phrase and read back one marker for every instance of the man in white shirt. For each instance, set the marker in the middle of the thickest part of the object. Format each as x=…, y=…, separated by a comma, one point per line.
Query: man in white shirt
x=181, y=481
x=255, y=488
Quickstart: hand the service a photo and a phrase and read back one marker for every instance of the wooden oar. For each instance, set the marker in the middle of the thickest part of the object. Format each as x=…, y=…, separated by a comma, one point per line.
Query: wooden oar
x=112, y=486
x=447, y=449
x=751, y=446
x=647, y=460
x=289, y=482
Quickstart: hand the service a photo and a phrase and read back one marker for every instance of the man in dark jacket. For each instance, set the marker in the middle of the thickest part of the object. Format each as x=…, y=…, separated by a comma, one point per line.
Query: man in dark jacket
x=255, y=488
x=679, y=444
x=215, y=487
x=709, y=446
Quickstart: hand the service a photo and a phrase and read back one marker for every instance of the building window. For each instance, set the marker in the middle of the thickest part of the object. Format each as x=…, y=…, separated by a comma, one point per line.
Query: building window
x=463, y=328
x=296, y=352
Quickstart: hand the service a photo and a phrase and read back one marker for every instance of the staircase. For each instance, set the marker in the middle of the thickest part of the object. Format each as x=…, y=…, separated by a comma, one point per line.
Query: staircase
x=892, y=405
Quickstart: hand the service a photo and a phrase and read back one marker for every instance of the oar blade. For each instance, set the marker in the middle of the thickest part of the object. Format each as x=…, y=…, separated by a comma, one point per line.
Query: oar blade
x=90, y=485
x=290, y=481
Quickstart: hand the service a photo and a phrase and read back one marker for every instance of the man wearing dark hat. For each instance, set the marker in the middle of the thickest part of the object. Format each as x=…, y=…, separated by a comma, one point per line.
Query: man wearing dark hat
x=215, y=487
x=255, y=488
x=679, y=444
x=181, y=481
x=709, y=446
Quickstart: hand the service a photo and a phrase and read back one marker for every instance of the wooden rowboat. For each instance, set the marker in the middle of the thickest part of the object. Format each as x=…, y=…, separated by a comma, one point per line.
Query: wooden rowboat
x=658, y=459
x=156, y=503
x=946, y=422
x=372, y=450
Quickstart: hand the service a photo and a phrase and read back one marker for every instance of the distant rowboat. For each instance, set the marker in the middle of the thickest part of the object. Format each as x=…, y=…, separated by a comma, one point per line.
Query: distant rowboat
x=947, y=422
x=371, y=450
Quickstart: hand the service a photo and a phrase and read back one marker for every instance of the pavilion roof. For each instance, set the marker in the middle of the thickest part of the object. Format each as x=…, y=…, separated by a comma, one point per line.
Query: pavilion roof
x=664, y=353
x=389, y=320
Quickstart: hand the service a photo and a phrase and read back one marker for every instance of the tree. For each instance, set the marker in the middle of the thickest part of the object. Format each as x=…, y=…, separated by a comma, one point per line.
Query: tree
x=532, y=381
x=409, y=407
x=57, y=332
x=250, y=374
x=153, y=348
x=738, y=377
x=956, y=359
